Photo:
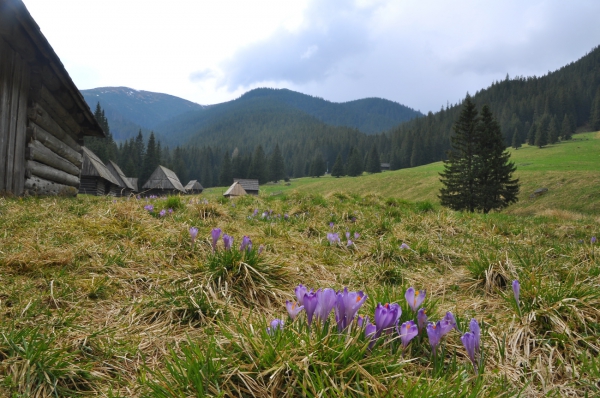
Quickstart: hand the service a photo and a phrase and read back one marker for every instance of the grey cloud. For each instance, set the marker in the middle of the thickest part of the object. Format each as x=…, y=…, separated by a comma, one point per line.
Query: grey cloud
x=202, y=75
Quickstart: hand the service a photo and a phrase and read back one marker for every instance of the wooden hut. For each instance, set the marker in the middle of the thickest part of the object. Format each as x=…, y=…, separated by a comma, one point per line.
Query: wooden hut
x=126, y=186
x=96, y=179
x=250, y=186
x=163, y=182
x=385, y=166
x=194, y=187
x=43, y=116
x=134, y=184
x=234, y=190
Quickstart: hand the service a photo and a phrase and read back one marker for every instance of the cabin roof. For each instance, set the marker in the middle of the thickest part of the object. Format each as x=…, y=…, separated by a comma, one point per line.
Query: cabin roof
x=93, y=167
x=193, y=184
x=116, y=171
x=134, y=183
x=235, y=189
x=248, y=185
x=163, y=178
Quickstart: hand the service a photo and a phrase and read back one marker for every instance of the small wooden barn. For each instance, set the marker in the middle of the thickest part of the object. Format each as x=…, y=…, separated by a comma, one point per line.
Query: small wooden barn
x=250, y=186
x=234, y=190
x=134, y=184
x=385, y=166
x=43, y=116
x=96, y=179
x=194, y=187
x=163, y=182
x=127, y=187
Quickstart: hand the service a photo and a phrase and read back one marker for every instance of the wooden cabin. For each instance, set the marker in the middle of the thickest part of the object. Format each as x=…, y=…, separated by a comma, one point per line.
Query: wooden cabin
x=250, y=186
x=134, y=184
x=385, y=166
x=163, y=182
x=234, y=190
x=194, y=187
x=127, y=187
x=43, y=116
x=96, y=179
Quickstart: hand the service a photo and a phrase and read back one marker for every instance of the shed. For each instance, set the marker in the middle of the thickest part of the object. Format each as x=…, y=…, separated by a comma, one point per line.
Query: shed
x=134, y=183
x=96, y=179
x=385, y=166
x=235, y=189
x=250, y=186
x=126, y=187
x=194, y=187
x=163, y=182
x=43, y=116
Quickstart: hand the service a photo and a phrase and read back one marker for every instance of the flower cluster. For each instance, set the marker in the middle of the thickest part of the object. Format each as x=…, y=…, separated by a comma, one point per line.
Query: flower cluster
x=246, y=244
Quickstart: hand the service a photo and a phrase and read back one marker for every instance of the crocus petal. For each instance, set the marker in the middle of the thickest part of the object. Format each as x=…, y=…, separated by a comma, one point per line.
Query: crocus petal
x=447, y=323
x=476, y=330
x=407, y=331
x=227, y=241
x=433, y=332
x=310, y=305
x=293, y=308
x=421, y=319
x=410, y=298
x=468, y=340
x=216, y=234
x=274, y=326
x=516, y=286
x=193, y=233
x=300, y=291
x=326, y=299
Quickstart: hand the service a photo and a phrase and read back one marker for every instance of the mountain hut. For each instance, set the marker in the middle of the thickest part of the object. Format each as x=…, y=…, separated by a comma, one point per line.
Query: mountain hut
x=126, y=187
x=194, y=187
x=163, y=182
x=96, y=179
x=250, y=186
x=134, y=183
x=385, y=166
x=234, y=190
x=43, y=116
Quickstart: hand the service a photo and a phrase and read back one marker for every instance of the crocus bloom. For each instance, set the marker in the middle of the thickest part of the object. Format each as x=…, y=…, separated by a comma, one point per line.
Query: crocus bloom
x=415, y=298
x=433, y=332
x=193, y=234
x=246, y=244
x=162, y=213
x=261, y=248
x=310, y=305
x=333, y=238
x=347, y=305
x=386, y=316
x=407, y=331
x=216, y=234
x=593, y=240
x=285, y=216
x=356, y=235
x=468, y=340
x=293, y=308
x=300, y=291
x=474, y=328
x=331, y=224
x=516, y=286
x=274, y=326
x=255, y=212
x=348, y=235
x=326, y=299
x=227, y=241
x=350, y=243
x=404, y=246
x=149, y=207
x=362, y=320
x=447, y=323
x=421, y=319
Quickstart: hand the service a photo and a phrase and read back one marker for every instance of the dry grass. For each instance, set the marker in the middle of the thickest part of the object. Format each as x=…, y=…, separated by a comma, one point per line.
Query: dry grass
x=119, y=294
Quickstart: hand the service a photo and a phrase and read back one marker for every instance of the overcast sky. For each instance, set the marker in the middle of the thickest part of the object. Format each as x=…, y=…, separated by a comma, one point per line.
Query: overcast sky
x=419, y=53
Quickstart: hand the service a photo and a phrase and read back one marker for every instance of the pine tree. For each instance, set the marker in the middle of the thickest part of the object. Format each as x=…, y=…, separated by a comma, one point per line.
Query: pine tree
x=258, y=167
x=417, y=155
x=355, y=164
x=338, y=167
x=151, y=160
x=276, y=165
x=532, y=133
x=595, y=112
x=516, y=141
x=374, y=161
x=565, y=131
x=541, y=137
x=553, y=131
x=226, y=175
x=317, y=166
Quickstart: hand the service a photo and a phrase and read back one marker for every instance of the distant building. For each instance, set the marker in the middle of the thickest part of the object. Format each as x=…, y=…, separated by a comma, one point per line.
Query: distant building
x=194, y=187
x=126, y=185
x=134, y=184
x=385, y=166
x=163, y=182
x=234, y=190
x=250, y=186
x=43, y=116
x=96, y=179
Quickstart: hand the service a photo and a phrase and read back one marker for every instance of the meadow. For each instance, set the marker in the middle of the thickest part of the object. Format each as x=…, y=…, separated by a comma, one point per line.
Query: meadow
x=106, y=297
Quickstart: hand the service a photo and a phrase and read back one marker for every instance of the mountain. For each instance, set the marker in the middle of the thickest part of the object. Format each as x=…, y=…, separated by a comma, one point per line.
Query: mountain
x=129, y=110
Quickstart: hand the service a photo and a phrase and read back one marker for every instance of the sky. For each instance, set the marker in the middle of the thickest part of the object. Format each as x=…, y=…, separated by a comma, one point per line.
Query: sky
x=422, y=54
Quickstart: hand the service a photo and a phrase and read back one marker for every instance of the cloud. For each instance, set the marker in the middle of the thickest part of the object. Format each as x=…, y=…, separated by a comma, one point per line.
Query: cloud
x=202, y=75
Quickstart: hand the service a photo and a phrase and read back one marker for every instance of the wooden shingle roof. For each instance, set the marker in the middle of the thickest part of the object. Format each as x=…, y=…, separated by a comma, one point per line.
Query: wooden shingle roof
x=248, y=185
x=116, y=171
x=194, y=184
x=93, y=167
x=163, y=178
x=235, y=189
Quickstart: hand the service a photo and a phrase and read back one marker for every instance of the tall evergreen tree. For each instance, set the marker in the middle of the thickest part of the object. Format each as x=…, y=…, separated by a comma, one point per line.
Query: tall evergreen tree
x=516, y=140
x=226, y=174
x=355, y=164
x=595, y=112
x=317, y=166
x=541, y=136
x=566, y=132
x=151, y=160
x=258, y=167
x=276, y=165
x=553, y=131
x=338, y=167
x=374, y=161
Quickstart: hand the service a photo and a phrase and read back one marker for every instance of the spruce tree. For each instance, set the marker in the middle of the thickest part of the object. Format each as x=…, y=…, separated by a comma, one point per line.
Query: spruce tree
x=553, y=131
x=565, y=132
x=374, y=161
x=317, y=167
x=338, y=167
x=355, y=164
x=595, y=112
x=151, y=160
x=258, y=167
x=276, y=165
x=516, y=141
x=541, y=137
x=226, y=175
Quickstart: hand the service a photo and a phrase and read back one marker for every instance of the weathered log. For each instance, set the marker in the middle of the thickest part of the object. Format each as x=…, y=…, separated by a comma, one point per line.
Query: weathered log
x=41, y=170
x=35, y=132
x=40, y=186
x=38, y=115
x=37, y=151
x=60, y=114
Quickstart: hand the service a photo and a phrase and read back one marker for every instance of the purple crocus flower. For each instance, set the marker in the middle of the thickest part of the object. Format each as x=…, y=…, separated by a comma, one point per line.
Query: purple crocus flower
x=276, y=324
x=593, y=240
x=433, y=332
x=350, y=243
x=415, y=297
x=362, y=320
x=286, y=216
x=300, y=291
x=170, y=211
x=293, y=308
x=227, y=241
x=476, y=330
x=216, y=234
x=261, y=248
x=331, y=224
x=193, y=234
x=246, y=244
x=447, y=323
x=404, y=246
x=149, y=207
x=310, y=305
x=468, y=340
x=326, y=299
x=348, y=235
x=386, y=316
x=162, y=213
x=370, y=332
x=333, y=238
x=356, y=235
x=347, y=305
x=516, y=286
x=407, y=331
x=255, y=212
x=421, y=319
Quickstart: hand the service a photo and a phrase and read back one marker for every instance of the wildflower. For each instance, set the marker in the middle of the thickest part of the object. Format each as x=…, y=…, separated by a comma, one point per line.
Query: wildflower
x=421, y=319
x=326, y=299
x=300, y=291
x=149, y=207
x=170, y=211
x=350, y=243
x=404, y=246
x=356, y=235
x=293, y=308
x=362, y=320
x=276, y=324
x=261, y=248
x=433, y=332
x=407, y=331
x=331, y=225
x=333, y=238
x=216, y=234
x=265, y=214
x=593, y=240
x=447, y=323
x=348, y=235
x=386, y=316
x=255, y=212
x=227, y=241
x=346, y=307
x=516, y=286
x=162, y=213
x=468, y=340
x=246, y=244
x=193, y=234
x=370, y=331
x=474, y=328
x=310, y=305
x=286, y=216
x=415, y=297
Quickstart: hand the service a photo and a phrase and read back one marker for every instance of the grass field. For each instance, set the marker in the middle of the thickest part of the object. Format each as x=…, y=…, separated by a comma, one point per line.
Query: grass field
x=101, y=297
